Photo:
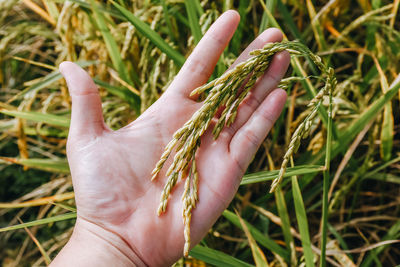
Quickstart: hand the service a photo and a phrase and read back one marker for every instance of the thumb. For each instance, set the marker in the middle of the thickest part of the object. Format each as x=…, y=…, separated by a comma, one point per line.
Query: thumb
x=86, y=115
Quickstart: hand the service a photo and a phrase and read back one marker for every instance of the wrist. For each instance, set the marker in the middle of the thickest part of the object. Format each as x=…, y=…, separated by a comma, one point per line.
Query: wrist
x=92, y=245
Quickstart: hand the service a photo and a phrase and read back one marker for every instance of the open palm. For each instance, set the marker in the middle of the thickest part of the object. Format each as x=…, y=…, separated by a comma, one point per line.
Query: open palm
x=111, y=170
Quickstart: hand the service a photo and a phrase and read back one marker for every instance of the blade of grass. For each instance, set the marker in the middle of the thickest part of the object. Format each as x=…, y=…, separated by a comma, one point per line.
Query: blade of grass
x=340, y=239
x=258, y=255
x=111, y=44
x=237, y=39
x=38, y=10
x=392, y=234
x=40, y=247
x=341, y=258
x=156, y=39
x=371, y=174
x=115, y=76
x=175, y=12
x=284, y=215
x=270, y=175
x=302, y=222
x=289, y=21
x=262, y=239
x=63, y=206
x=371, y=33
x=40, y=64
x=263, y=23
x=38, y=202
x=387, y=132
x=388, y=121
x=191, y=11
x=51, y=9
x=386, y=177
x=34, y=131
x=394, y=12
x=63, y=217
x=216, y=257
x=199, y=8
x=264, y=20
x=316, y=26
x=171, y=31
x=51, y=119
x=50, y=165
x=326, y=182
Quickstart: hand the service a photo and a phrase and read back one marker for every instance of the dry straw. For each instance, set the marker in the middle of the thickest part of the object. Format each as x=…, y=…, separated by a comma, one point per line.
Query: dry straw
x=228, y=91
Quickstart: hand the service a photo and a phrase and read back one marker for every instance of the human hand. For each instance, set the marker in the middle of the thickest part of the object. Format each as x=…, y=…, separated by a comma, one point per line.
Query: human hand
x=111, y=170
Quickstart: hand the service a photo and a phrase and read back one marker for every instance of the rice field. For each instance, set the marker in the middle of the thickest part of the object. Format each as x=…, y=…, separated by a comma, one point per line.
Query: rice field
x=337, y=203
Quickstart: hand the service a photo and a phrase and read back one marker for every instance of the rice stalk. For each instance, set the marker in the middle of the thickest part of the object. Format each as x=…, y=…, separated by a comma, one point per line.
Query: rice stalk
x=228, y=91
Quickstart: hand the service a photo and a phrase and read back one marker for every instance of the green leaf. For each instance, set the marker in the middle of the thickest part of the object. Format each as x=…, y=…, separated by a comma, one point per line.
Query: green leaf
x=392, y=234
x=237, y=38
x=156, y=39
x=215, y=257
x=63, y=217
x=39, y=117
x=271, y=175
x=316, y=26
x=340, y=239
x=326, y=183
x=284, y=215
x=289, y=21
x=387, y=132
x=53, y=10
x=262, y=239
x=302, y=223
x=171, y=31
x=191, y=10
x=199, y=8
x=258, y=255
x=111, y=44
x=291, y=25
x=270, y=5
x=50, y=165
x=386, y=177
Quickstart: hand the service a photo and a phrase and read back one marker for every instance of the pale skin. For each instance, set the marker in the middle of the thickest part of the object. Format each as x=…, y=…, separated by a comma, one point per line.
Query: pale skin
x=117, y=223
